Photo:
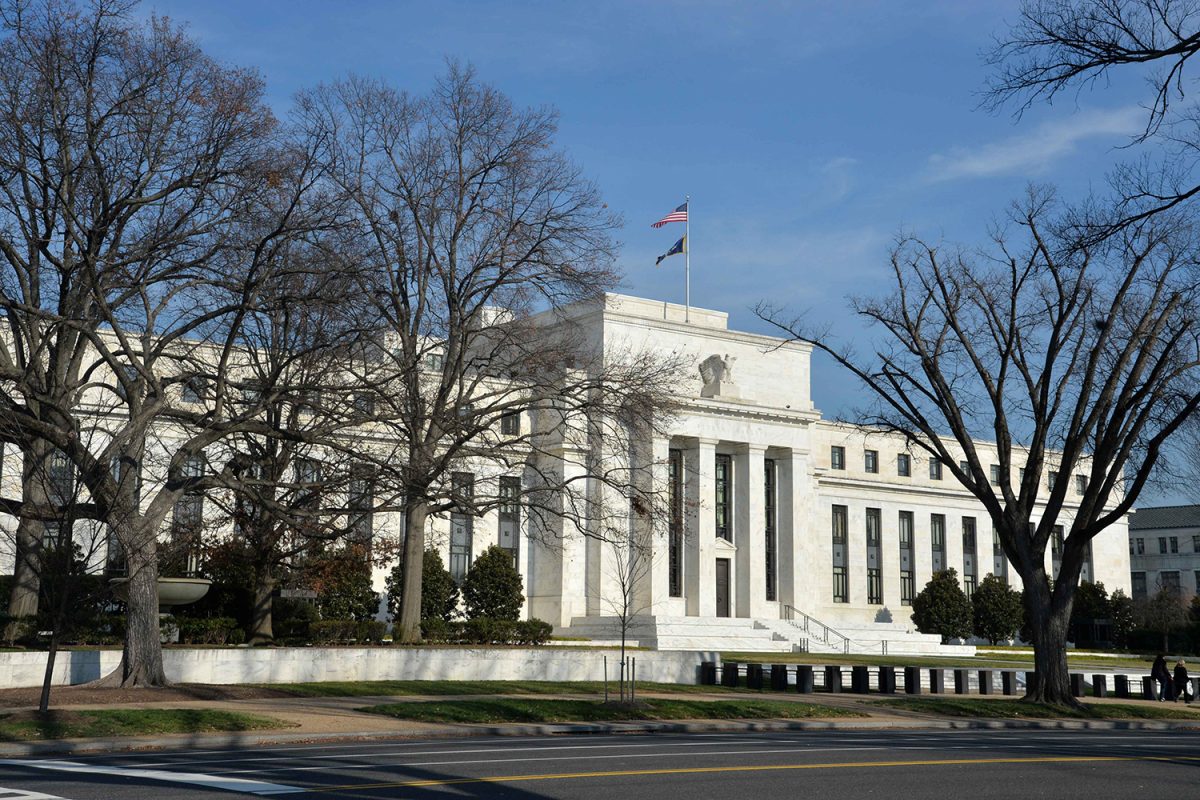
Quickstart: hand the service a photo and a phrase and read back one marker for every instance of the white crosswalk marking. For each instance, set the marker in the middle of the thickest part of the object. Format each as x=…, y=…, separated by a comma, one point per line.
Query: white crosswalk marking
x=195, y=778
x=21, y=794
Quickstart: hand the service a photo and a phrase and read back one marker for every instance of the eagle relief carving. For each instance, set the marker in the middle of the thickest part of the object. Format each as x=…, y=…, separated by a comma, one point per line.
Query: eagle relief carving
x=717, y=373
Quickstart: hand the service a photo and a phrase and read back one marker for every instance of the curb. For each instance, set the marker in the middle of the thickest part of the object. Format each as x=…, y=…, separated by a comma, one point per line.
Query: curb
x=234, y=739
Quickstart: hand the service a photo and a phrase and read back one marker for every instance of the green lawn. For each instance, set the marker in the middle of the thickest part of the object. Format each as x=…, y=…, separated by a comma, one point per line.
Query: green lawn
x=30, y=726
x=1018, y=709
x=509, y=709
x=446, y=688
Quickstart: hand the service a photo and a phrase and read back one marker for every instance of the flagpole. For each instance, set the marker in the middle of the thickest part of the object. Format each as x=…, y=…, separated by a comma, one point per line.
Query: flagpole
x=687, y=260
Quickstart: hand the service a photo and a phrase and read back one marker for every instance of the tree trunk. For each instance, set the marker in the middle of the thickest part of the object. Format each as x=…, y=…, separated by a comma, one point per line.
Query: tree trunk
x=141, y=659
x=407, y=629
x=261, y=623
x=27, y=568
x=1050, y=682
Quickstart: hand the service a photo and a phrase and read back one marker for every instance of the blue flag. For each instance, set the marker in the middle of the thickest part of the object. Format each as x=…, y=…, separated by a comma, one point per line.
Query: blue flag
x=675, y=250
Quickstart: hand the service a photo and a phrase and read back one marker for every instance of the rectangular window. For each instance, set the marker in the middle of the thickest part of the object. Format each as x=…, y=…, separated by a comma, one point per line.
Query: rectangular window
x=1056, y=549
x=841, y=583
x=1174, y=544
x=1141, y=547
x=1051, y=479
x=1169, y=581
x=995, y=474
x=364, y=403
x=871, y=460
x=837, y=457
x=874, y=586
x=937, y=540
x=965, y=466
x=462, y=524
x=907, y=580
x=874, y=556
x=1081, y=484
x=434, y=362
x=361, y=498
x=771, y=556
x=193, y=389
x=510, y=424
x=874, y=524
x=935, y=469
x=675, y=502
x=1162, y=545
x=187, y=521
x=1195, y=542
x=970, y=575
x=510, y=515
x=999, y=560
x=61, y=479
x=904, y=465
x=1138, y=584
x=724, y=497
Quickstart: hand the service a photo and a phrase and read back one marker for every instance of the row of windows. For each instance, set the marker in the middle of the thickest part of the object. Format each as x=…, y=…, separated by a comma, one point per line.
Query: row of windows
x=1168, y=580
x=1166, y=545
x=937, y=545
x=837, y=460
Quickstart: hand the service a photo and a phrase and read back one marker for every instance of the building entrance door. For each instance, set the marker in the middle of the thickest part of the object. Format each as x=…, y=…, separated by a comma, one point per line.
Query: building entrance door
x=722, y=587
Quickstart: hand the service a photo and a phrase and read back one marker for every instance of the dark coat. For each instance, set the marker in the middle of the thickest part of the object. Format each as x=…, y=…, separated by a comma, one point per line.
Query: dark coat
x=1181, y=677
x=1159, y=671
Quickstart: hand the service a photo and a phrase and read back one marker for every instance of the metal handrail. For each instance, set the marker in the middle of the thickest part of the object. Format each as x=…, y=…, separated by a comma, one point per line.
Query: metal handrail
x=806, y=624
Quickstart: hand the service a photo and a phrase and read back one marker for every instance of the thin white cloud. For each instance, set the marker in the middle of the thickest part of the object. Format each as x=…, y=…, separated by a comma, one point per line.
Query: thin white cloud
x=837, y=178
x=1034, y=152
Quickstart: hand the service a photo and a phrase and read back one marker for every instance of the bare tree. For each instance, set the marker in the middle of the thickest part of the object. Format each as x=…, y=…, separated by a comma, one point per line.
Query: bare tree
x=143, y=201
x=1059, y=45
x=473, y=233
x=1082, y=361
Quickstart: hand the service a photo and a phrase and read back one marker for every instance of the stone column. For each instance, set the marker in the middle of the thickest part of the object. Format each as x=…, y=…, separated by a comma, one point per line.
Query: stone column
x=749, y=532
x=701, y=528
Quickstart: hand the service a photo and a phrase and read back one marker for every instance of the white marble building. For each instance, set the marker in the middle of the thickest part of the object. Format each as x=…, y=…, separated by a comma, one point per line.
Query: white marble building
x=788, y=530
x=781, y=515
x=1164, y=550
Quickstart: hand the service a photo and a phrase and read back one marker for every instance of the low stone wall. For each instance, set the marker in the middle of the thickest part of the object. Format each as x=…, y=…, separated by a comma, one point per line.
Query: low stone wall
x=304, y=664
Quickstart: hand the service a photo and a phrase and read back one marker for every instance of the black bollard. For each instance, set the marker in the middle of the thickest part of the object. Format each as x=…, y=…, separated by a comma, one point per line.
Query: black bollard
x=754, y=676
x=833, y=679
x=1099, y=686
x=860, y=680
x=729, y=674
x=937, y=680
x=985, y=681
x=779, y=674
x=1008, y=682
x=708, y=673
x=1121, y=686
x=961, y=684
x=887, y=680
x=912, y=680
x=804, y=679
x=1077, y=687
x=1148, y=692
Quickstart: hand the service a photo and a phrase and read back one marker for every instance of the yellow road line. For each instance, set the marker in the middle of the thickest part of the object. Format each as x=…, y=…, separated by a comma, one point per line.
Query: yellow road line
x=559, y=776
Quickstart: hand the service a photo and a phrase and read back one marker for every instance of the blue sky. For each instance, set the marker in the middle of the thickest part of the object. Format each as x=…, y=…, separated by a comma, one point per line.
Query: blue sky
x=807, y=134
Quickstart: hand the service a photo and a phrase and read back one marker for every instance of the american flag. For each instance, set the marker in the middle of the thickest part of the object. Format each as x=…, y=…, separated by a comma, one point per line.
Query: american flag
x=678, y=215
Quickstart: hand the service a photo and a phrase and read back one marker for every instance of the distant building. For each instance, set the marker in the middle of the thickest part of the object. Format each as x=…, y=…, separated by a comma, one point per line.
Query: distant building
x=1164, y=550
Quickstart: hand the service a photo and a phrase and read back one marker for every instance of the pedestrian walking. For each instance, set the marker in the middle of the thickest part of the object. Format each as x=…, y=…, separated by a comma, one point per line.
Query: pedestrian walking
x=1160, y=673
x=1181, y=682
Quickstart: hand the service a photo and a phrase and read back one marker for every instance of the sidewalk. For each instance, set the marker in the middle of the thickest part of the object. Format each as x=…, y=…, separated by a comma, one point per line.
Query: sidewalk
x=312, y=719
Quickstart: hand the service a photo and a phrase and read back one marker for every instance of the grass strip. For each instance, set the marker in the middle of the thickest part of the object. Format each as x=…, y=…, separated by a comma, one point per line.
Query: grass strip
x=467, y=688
x=516, y=709
x=1017, y=660
x=29, y=726
x=1019, y=709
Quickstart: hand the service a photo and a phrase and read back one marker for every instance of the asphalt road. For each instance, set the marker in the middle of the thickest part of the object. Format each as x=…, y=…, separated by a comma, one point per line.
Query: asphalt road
x=911, y=765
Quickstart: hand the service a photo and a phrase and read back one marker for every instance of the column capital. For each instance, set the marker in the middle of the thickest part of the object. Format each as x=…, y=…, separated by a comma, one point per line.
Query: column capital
x=752, y=448
x=707, y=442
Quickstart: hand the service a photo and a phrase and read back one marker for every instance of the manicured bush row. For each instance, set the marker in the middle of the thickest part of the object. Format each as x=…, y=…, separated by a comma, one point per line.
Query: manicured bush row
x=483, y=630
x=344, y=631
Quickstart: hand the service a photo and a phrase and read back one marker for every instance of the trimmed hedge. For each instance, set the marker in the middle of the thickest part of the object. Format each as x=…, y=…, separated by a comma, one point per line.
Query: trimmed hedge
x=344, y=631
x=483, y=630
x=209, y=630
